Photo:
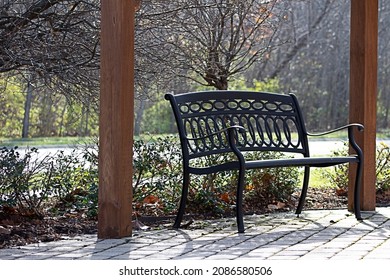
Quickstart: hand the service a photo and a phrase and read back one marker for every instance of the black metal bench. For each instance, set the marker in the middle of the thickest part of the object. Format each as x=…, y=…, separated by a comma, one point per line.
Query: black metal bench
x=218, y=122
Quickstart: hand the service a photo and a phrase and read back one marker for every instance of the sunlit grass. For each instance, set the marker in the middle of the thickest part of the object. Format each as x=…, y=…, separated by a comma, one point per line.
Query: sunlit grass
x=317, y=178
x=44, y=141
x=50, y=141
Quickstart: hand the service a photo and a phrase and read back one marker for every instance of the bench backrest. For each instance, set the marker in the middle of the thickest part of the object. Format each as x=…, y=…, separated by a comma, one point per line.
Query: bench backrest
x=273, y=122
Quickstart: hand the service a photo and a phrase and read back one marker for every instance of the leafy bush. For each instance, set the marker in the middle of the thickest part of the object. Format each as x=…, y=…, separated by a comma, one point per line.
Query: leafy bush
x=216, y=193
x=271, y=185
x=29, y=182
x=20, y=183
x=157, y=173
x=338, y=175
x=69, y=182
x=383, y=167
x=74, y=180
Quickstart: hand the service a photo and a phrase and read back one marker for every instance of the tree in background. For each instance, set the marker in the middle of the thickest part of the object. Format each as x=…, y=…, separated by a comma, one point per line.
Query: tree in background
x=207, y=41
x=51, y=114
x=57, y=40
x=313, y=61
x=51, y=46
x=384, y=66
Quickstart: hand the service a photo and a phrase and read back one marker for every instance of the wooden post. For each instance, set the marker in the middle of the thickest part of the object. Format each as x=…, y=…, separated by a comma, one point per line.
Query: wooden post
x=363, y=91
x=116, y=118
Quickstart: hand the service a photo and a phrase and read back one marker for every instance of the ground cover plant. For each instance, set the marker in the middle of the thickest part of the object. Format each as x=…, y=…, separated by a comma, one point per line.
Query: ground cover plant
x=338, y=175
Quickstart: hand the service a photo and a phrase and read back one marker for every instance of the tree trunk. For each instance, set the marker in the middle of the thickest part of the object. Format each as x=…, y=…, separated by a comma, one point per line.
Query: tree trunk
x=61, y=126
x=27, y=109
x=138, y=118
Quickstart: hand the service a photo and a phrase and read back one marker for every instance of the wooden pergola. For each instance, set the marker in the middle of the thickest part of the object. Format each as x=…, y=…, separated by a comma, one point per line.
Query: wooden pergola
x=117, y=107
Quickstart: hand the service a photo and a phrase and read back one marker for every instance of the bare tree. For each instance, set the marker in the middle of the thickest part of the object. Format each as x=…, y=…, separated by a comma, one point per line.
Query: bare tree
x=27, y=108
x=302, y=26
x=55, y=39
x=312, y=59
x=384, y=66
x=206, y=41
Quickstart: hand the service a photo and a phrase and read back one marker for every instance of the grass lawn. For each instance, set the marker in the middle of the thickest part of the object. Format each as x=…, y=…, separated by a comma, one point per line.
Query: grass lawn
x=317, y=179
x=52, y=141
x=44, y=141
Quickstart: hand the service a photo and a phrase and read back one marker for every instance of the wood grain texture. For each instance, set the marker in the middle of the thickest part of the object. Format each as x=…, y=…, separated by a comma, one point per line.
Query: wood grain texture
x=363, y=91
x=116, y=118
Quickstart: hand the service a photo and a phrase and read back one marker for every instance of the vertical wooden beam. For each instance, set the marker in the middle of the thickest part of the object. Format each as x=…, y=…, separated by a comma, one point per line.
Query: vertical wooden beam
x=116, y=118
x=363, y=90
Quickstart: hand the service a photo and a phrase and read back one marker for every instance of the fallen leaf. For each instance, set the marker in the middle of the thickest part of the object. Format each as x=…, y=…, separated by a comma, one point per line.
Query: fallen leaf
x=151, y=199
x=280, y=205
x=225, y=197
x=342, y=192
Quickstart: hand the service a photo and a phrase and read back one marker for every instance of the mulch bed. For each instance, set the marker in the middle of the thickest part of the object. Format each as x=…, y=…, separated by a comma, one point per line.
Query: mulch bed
x=18, y=229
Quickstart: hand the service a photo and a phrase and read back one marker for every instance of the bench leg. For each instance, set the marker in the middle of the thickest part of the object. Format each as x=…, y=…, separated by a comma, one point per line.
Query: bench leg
x=183, y=200
x=304, y=190
x=239, y=199
x=356, y=198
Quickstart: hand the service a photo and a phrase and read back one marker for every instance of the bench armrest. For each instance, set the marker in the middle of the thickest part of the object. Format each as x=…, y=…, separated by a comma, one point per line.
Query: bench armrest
x=360, y=127
x=351, y=137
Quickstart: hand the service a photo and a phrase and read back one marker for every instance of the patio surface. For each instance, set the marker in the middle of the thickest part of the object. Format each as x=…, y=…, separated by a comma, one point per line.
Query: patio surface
x=316, y=234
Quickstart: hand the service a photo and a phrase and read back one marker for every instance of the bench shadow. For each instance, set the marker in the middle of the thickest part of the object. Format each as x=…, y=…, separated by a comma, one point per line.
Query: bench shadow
x=185, y=244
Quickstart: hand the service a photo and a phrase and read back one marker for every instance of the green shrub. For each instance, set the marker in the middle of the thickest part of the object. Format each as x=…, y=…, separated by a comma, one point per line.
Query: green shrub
x=74, y=181
x=382, y=167
x=270, y=185
x=69, y=182
x=30, y=183
x=157, y=172
x=338, y=175
x=20, y=184
x=216, y=193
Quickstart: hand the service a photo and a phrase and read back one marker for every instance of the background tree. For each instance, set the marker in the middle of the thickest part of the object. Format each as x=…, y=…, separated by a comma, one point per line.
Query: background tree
x=313, y=61
x=51, y=44
x=208, y=41
x=384, y=66
x=49, y=54
x=56, y=39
